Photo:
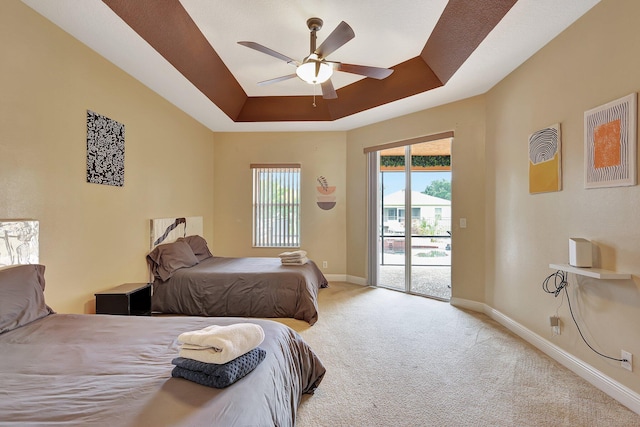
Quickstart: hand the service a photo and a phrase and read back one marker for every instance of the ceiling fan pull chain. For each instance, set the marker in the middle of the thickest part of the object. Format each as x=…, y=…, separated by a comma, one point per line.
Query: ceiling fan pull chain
x=314, y=95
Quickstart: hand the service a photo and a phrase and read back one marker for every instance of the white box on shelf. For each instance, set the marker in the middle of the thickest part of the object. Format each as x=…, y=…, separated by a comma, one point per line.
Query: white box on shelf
x=580, y=252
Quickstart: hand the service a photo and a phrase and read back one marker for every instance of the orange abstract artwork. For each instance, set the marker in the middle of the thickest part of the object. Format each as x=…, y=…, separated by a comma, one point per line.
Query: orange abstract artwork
x=606, y=144
x=610, y=143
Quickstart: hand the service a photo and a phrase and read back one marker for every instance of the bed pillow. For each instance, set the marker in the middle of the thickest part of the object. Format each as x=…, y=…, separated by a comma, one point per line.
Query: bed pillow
x=22, y=296
x=168, y=258
x=198, y=246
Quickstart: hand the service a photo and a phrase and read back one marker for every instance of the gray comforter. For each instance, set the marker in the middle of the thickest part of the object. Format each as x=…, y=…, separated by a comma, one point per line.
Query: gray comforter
x=247, y=287
x=100, y=370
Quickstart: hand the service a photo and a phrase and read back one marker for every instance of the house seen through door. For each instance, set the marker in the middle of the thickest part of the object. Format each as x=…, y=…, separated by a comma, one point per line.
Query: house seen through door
x=414, y=218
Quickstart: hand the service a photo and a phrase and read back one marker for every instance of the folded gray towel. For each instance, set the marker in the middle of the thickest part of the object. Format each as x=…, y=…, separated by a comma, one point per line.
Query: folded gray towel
x=215, y=375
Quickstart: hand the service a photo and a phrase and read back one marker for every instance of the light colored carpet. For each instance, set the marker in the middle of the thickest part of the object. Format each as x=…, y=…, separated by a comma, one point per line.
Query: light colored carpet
x=394, y=359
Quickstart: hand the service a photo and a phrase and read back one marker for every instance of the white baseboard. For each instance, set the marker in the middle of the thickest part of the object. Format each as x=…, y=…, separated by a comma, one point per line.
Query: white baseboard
x=357, y=280
x=346, y=278
x=618, y=391
x=336, y=277
x=468, y=304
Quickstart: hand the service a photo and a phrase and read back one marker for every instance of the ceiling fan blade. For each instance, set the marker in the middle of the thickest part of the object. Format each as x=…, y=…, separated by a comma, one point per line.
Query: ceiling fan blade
x=271, y=52
x=342, y=34
x=328, y=91
x=363, y=70
x=277, y=79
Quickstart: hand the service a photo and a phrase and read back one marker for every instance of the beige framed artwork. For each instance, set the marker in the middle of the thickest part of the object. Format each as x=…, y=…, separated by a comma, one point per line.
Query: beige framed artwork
x=545, y=163
x=610, y=144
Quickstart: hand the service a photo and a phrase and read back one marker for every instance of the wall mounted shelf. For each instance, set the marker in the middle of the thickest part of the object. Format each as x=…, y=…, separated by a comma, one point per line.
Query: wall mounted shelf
x=596, y=273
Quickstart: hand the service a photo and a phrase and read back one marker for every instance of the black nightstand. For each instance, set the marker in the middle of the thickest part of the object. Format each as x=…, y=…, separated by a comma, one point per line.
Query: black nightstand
x=130, y=299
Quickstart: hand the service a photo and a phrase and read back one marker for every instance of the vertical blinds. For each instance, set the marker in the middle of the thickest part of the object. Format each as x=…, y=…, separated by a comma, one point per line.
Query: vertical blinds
x=373, y=225
x=276, y=205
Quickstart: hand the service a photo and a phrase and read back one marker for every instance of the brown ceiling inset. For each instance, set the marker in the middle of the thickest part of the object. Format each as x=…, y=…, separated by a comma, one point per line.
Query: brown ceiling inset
x=409, y=78
x=462, y=27
x=169, y=29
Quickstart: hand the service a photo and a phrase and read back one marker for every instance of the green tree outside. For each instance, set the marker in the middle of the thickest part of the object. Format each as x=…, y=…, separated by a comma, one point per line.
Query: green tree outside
x=440, y=188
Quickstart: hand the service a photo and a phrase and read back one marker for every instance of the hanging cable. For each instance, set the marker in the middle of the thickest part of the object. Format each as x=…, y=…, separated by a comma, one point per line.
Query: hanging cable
x=559, y=284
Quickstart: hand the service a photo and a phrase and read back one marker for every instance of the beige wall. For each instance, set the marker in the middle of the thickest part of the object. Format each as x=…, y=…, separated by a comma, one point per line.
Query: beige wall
x=595, y=61
x=466, y=120
x=320, y=154
x=92, y=237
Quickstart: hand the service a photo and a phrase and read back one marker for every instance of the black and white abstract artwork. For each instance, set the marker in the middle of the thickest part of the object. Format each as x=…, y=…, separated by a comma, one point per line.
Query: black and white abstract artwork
x=105, y=150
x=19, y=242
x=167, y=230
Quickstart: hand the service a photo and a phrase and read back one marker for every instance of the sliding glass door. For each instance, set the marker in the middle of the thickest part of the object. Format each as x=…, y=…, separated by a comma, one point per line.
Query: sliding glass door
x=413, y=249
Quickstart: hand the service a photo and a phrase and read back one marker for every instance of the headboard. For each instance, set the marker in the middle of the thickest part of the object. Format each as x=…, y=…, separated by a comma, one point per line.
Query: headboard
x=19, y=242
x=167, y=230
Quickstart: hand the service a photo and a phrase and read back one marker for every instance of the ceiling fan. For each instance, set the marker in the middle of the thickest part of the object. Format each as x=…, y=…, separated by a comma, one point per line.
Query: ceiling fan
x=315, y=69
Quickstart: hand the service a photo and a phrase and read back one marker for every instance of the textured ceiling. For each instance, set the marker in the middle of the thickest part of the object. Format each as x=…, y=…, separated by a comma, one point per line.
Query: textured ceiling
x=387, y=34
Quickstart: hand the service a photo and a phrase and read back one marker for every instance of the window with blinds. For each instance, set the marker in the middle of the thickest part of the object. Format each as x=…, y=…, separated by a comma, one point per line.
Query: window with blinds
x=276, y=205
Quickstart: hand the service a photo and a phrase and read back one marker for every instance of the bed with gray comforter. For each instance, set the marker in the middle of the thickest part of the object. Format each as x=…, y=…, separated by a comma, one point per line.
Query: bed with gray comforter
x=247, y=287
x=102, y=370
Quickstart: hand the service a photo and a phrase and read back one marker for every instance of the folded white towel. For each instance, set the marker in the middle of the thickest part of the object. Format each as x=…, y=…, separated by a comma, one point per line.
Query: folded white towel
x=300, y=261
x=293, y=254
x=220, y=344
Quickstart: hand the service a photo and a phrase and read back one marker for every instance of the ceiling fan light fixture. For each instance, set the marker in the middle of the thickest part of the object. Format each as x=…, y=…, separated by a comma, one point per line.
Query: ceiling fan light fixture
x=315, y=69
x=307, y=72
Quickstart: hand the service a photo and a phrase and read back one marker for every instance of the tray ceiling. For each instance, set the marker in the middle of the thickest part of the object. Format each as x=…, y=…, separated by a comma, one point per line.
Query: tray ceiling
x=441, y=51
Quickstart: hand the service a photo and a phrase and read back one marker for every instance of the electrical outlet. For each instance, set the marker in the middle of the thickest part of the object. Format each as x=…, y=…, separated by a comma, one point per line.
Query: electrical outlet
x=325, y=264
x=554, y=322
x=628, y=357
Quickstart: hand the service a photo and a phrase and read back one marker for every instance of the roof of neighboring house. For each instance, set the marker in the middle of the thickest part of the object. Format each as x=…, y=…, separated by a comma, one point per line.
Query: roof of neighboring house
x=417, y=199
